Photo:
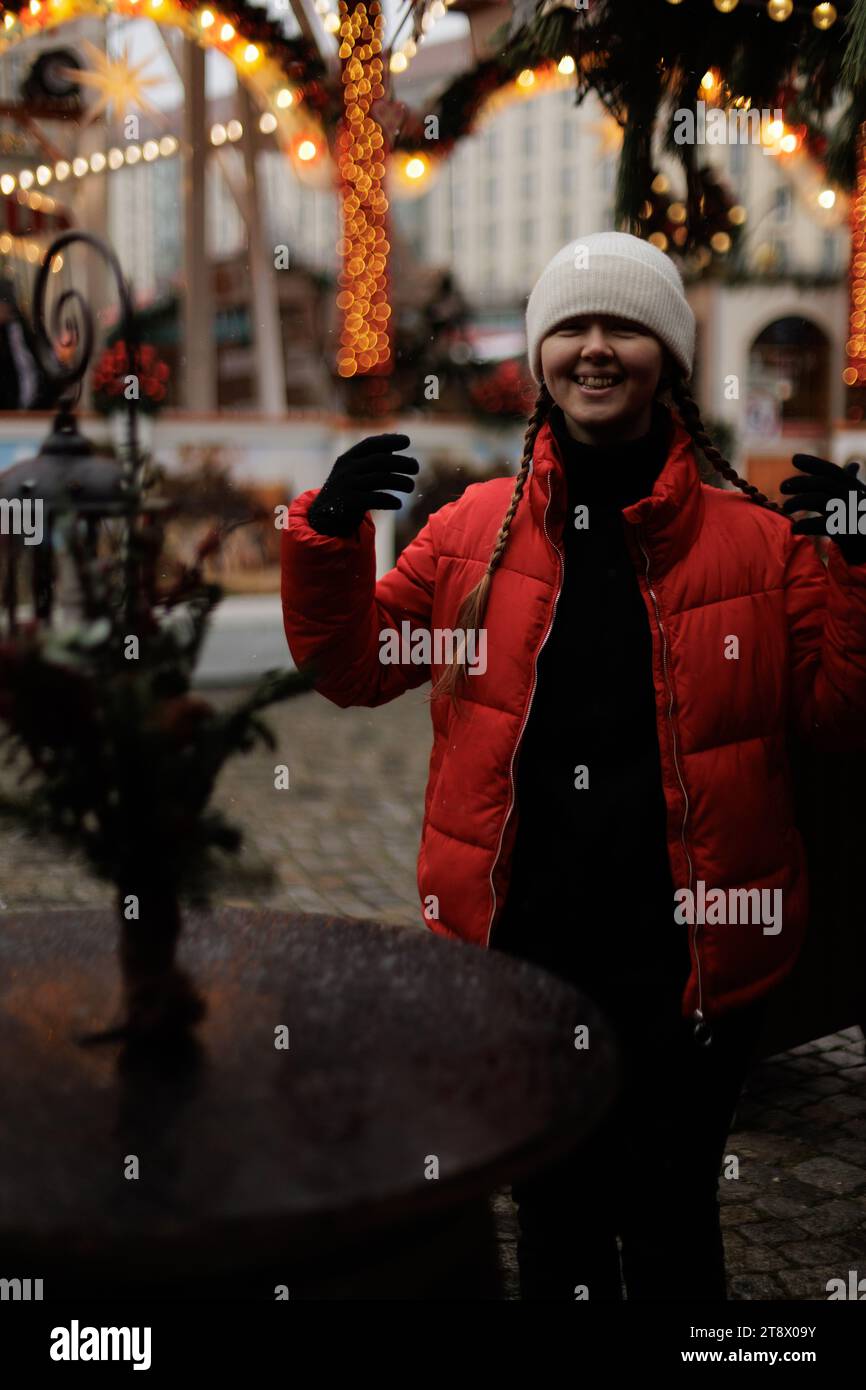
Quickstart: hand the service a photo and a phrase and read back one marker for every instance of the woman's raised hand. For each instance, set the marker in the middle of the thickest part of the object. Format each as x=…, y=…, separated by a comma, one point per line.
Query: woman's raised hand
x=354, y=484
x=839, y=499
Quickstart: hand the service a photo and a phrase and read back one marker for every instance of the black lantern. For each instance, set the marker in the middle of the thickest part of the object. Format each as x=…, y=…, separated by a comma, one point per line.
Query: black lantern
x=64, y=494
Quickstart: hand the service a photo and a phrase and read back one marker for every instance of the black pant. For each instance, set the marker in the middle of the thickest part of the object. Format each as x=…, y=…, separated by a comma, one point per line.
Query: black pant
x=649, y=1174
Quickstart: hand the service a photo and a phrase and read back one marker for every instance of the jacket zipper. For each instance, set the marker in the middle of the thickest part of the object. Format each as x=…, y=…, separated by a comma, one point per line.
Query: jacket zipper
x=525, y=713
x=702, y=1031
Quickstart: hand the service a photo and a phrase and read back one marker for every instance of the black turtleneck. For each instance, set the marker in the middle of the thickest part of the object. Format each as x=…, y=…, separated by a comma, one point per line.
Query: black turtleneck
x=591, y=895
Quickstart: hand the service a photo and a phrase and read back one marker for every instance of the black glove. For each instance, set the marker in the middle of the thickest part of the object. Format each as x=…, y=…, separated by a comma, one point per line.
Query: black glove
x=351, y=488
x=828, y=484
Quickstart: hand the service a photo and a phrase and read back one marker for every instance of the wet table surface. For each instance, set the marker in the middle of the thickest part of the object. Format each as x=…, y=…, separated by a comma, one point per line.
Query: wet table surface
x=409, y=1055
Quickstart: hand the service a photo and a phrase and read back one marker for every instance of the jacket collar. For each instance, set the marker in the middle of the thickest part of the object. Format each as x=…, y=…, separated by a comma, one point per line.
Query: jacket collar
x=670, y=518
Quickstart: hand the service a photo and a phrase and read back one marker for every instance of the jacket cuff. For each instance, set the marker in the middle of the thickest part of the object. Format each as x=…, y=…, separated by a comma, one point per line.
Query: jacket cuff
x=301, y=532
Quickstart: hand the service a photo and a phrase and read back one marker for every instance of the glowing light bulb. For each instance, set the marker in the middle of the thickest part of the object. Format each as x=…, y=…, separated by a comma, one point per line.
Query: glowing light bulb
x=97, y=162
x=43, y=175
x=399, y=62
x=251, y=53
x=217, y=134
x=565, y=65
x=526, y=78
x=826, y=198
x=234, y=130
x=133, y=154
x=267, y=122
x=306, y=150
x=7, y=183
x=823, y=16
x=227, y=33
x=80, y=167
x=115, y=158
x=25, y=178
x=62, y=170
x=150, y=150
x=206, y=19
x=284, y=98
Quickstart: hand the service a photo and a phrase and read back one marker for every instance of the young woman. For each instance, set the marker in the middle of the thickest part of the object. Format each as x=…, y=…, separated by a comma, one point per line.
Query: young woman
x=619, y=758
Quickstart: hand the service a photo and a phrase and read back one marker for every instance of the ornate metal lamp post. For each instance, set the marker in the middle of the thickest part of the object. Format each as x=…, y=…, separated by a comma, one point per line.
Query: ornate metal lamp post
x=74, y=486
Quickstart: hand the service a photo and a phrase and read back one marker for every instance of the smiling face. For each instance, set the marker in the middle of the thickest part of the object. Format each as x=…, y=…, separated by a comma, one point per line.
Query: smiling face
x=603, y=372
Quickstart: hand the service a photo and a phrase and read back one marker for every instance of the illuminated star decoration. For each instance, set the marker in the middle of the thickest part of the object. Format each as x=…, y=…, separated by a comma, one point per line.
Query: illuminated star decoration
x=119, y=83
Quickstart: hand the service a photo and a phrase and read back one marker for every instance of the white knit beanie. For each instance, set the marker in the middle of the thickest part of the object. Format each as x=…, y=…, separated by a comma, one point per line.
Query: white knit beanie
x=612, y=273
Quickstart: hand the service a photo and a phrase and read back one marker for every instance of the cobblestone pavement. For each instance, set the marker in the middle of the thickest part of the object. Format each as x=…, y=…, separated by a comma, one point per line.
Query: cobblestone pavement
x=344, y=839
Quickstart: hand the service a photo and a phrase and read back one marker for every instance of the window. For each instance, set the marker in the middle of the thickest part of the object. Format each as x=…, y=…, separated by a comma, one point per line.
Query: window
x=565, y=226
x=491, y=188
x=491, y=235
x=566, y=180
x=829, y=253
x=491, y=143
x=738, y=159
x=782, y=202
x=569, y=131
x=527, y=185
x=527, y=139
x=779, y=255
x=527, y=232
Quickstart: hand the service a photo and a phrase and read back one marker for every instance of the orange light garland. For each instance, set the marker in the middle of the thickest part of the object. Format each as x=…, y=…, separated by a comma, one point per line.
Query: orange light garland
x=365, y=340
x=855, y=348
x=209, y=27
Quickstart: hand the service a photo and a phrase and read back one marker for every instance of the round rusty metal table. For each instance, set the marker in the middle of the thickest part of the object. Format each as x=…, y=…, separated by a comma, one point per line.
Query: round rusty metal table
x=420, y=1075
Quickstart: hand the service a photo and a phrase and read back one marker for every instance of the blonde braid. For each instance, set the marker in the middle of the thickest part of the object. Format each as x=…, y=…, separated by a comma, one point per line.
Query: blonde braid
x=474, y=605
x=691, y=418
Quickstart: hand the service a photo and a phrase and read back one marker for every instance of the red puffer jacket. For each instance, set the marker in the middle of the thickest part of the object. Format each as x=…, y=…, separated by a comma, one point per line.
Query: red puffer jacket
x=711, y=566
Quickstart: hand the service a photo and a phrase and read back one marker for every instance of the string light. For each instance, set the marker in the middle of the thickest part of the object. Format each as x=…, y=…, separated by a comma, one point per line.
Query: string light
x=855, y=348
x=402, y=57
x=780, y=9
x=208, y=25
x=726, y=6
x=824, y=16
x=365, y=339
